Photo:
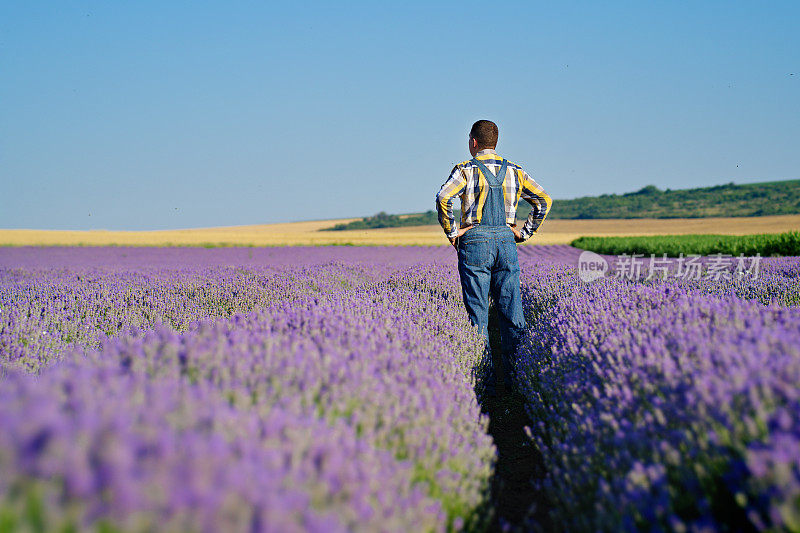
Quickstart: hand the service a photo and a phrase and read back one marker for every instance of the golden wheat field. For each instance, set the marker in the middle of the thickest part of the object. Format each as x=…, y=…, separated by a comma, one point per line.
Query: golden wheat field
x=308, y=233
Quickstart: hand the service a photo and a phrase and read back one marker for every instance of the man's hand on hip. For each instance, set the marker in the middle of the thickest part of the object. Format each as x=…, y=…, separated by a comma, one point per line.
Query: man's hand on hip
x=461, y=231
x=517, y=234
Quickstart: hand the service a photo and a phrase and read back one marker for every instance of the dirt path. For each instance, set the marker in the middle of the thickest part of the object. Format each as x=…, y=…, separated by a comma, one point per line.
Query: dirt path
x=519, y=462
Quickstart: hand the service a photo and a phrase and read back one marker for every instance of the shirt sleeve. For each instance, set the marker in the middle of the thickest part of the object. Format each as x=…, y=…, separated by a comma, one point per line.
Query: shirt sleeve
x=540, y=202
x=454, y=185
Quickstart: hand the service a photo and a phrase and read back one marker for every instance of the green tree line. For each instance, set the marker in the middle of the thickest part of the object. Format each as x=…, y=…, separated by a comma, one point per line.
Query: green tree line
x=729, y=200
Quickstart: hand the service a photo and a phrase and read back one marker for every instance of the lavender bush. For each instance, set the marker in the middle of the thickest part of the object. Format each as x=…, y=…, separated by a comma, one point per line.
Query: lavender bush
x=657, y=405
x=94, y=445
x=241, y=397
x=335, y=389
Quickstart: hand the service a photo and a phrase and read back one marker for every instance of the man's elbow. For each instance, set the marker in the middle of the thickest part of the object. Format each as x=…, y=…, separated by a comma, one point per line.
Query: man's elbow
x=547, y=203
x=443, y=203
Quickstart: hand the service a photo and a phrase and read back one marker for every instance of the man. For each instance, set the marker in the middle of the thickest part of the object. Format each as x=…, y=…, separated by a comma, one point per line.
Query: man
x=490, y=188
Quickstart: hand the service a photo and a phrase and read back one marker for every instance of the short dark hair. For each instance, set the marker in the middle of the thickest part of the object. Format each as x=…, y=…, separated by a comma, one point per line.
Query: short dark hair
x=486, y=133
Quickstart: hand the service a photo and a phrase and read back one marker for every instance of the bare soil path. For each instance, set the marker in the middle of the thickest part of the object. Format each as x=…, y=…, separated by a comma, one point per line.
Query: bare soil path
x=514, y=498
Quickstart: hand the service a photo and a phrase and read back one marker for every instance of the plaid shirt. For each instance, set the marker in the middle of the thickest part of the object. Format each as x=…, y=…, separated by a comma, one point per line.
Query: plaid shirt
x=467, y=182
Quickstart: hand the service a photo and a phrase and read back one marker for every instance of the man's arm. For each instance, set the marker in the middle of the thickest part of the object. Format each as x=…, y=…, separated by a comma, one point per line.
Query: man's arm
x=540, y=202
x=444, y=201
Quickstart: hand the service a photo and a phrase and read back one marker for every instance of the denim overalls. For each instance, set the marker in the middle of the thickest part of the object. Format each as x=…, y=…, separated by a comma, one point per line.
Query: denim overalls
x=487, y=261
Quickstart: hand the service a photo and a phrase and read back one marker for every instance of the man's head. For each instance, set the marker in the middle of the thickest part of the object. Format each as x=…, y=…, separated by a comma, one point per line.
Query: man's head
x=483, y=135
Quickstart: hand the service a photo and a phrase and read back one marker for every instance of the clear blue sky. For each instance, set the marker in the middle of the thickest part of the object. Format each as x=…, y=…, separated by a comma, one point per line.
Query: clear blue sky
x=149, y=115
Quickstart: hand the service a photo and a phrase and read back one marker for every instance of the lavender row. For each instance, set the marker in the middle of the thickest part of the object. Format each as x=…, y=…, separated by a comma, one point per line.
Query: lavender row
x=53, y=299
x=387, y=365
x=667, y=405
x=334, y=356
x=45, y=312
x=127, y=258
x=93, y=445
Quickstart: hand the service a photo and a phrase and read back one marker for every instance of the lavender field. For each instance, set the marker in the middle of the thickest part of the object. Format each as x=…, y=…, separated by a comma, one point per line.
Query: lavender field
x=339, y=389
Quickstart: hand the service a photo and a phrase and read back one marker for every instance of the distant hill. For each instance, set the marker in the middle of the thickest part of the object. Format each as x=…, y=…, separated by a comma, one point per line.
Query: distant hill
x=729, y=200
x=383, y=220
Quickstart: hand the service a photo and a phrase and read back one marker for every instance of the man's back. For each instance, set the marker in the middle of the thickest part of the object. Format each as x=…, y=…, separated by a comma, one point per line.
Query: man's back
x=467, y=182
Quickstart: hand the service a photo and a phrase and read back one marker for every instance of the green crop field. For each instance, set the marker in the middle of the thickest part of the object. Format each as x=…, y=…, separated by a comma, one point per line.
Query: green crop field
x=765, y=244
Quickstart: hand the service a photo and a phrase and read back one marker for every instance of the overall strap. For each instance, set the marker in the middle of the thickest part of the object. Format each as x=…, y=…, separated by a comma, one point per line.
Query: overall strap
x=494, y=181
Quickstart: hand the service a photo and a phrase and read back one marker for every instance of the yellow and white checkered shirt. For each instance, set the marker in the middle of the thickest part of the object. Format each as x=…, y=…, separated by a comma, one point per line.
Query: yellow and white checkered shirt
x=467, y=182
